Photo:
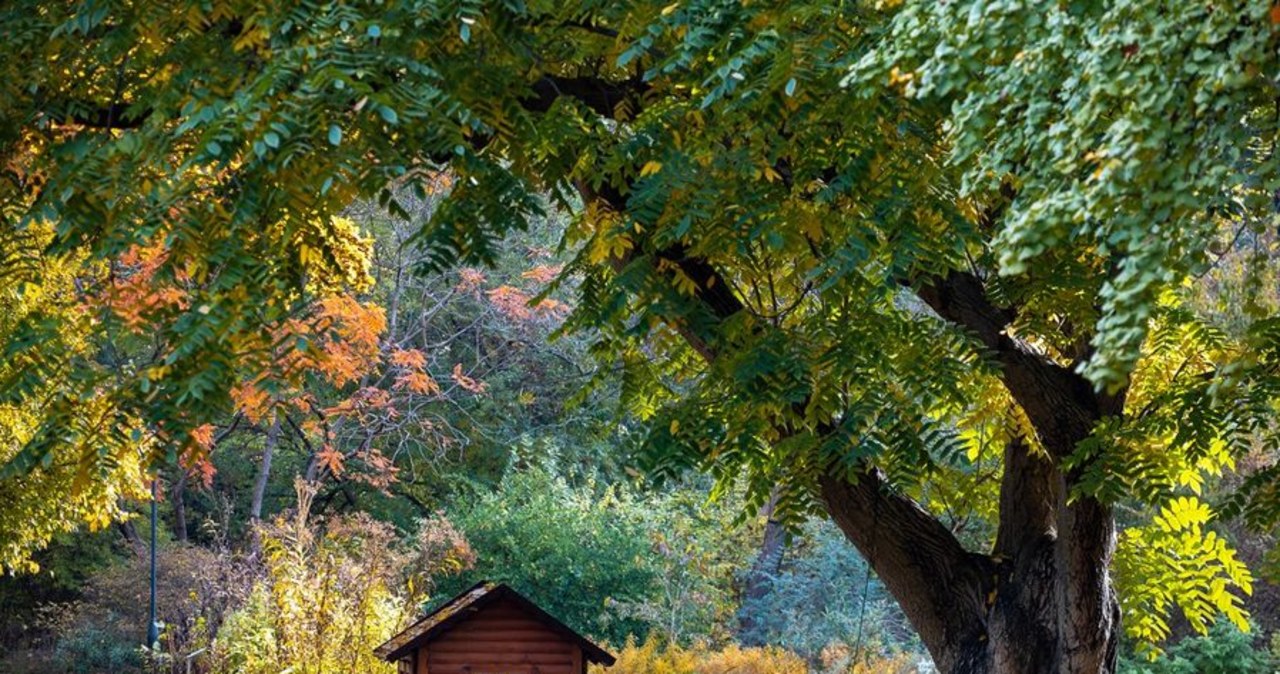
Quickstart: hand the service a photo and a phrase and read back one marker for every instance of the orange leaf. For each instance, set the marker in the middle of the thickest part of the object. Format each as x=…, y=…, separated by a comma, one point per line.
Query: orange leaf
x=412, y=359
x=251, y=400
x=470, y=279
x=418, y=382
x=543, y=273
x=331, y=458
x=512, y=302
x=472, y=385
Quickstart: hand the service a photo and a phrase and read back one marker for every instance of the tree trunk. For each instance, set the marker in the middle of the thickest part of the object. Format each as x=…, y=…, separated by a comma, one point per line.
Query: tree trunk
x=130, y=534
x=760, y=577
x=264, y=470
x=1042, y=601
x=1046, y=608
x=180, y=506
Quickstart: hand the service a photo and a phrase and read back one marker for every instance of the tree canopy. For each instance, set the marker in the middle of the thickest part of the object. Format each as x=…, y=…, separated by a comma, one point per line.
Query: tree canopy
x=884, y=260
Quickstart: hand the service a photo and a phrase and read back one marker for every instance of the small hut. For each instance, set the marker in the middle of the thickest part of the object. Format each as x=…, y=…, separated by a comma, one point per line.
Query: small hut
x=490, y=629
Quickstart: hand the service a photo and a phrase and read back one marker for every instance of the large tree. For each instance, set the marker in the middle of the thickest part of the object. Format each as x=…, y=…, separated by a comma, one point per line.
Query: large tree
x=865, y=256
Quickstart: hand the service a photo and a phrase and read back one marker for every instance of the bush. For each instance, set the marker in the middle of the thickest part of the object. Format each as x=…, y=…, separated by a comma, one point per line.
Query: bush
x=1224, y=650
x=652, y=658
x=695, y=552
x=578, y=553
x=90, y=649
x=333, y=592
x=612, y=562
x=66, y=567
x=105, y=629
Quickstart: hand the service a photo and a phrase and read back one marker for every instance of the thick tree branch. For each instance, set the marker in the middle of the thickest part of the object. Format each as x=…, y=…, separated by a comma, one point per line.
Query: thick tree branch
x=1023, y=619
x=601, y=95
x=941, y=587
x=1088, y=610
x=113, y=116
x=714, y=292
x=1029, y=496
x=1044, y=537
x=1061, y=404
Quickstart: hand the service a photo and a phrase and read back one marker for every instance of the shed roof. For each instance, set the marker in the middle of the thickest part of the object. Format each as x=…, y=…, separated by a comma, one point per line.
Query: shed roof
x=467, y=604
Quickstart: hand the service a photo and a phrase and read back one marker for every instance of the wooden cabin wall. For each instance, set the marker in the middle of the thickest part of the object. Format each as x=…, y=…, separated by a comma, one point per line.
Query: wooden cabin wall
x=501, y=639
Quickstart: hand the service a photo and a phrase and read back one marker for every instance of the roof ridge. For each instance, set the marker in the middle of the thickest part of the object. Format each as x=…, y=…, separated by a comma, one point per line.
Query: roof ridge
x=478, y=596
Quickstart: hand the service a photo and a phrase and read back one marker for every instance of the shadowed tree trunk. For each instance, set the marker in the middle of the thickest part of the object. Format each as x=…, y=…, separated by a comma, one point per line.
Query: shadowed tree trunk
x=1042, y=600
x=179, y=496
x=130, y=534
x=759, y=579
x=1040, y=603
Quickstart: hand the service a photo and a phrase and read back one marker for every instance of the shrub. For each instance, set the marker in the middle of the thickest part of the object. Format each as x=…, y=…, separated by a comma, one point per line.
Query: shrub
x=105, y=629
x=332, y=592
x=1224, y=650
x=612, y=562
x=653, y=658
x=822, y=598
x=579, y=553
x=89, y=648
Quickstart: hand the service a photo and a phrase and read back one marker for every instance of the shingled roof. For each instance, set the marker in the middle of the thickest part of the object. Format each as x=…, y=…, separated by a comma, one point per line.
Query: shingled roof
x=467, y=604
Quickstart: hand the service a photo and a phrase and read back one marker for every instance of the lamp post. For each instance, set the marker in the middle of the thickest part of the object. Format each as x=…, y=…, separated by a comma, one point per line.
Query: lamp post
x=153, y=627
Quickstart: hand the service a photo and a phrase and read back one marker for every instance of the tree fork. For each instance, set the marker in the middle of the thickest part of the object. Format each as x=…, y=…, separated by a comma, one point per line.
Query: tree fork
x=1048, y=541
x=1043, y=601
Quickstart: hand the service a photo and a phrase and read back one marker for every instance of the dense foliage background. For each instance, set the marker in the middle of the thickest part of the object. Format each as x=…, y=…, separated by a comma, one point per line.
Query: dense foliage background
x=522, y=478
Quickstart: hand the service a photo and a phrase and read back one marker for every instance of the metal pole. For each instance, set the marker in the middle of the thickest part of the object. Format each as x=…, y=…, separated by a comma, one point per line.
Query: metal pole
x=153, y=627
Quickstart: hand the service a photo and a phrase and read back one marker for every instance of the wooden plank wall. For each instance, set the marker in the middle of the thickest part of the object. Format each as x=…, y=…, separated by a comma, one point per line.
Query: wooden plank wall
x=501, y=639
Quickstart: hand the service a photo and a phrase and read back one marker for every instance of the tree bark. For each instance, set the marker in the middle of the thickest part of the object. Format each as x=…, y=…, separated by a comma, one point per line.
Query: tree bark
x=1040, y=604
x=939, y=585
x=1042, y=601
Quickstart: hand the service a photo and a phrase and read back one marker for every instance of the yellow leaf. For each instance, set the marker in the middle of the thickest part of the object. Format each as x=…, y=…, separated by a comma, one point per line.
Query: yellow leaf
x=684, y=284
x=650, y=168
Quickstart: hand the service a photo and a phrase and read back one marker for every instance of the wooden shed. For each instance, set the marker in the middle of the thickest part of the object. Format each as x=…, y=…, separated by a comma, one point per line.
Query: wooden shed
x=490, y=629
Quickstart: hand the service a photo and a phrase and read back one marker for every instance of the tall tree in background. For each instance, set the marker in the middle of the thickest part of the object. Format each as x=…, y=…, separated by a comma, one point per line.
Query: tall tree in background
x=849, y=253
